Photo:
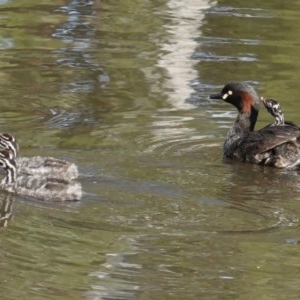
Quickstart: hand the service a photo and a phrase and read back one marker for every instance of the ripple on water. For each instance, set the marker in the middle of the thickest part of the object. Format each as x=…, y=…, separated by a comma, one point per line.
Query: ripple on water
x=64, y=119
x=178, y=143
x=213, y=57
x=239, y=12
x=173, y=135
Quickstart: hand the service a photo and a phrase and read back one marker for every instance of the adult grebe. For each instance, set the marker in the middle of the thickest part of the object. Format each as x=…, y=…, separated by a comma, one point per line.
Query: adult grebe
x=277, y=146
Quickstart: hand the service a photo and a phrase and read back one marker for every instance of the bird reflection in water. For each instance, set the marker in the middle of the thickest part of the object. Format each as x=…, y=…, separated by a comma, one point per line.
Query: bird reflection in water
x=6, y=211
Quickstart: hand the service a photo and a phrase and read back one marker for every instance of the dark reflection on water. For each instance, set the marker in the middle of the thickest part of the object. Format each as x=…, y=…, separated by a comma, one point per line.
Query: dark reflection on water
x=121, y=89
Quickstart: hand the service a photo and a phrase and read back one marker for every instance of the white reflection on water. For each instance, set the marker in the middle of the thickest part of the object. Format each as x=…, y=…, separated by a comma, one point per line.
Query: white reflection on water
x=177, y=44
x=185, y=18
x=112, y=284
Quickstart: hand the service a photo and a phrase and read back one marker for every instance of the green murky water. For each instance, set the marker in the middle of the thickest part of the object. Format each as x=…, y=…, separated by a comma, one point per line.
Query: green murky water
x=120, y=88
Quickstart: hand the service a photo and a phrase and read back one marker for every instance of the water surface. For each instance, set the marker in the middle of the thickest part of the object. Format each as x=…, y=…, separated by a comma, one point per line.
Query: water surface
x=120, y=88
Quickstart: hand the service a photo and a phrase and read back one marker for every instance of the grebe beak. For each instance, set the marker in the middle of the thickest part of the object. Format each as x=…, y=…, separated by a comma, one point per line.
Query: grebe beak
x=216, y=96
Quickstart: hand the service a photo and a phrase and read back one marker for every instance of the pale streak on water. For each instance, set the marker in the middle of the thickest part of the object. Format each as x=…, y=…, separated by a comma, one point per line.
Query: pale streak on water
x=177, y=49
x=185, y=20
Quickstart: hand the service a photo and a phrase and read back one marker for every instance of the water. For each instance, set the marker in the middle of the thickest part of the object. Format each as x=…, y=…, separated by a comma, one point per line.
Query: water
x=120, y=88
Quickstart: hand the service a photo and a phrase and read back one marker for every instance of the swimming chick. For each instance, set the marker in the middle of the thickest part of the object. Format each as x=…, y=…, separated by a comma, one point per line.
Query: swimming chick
x=277, y=145
x=39, y=165
x=36, y=186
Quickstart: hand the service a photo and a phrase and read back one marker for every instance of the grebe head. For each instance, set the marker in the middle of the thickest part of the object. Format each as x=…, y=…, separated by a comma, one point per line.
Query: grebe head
x=241, y=95
x=9, y=142
x=273, y=107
